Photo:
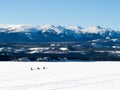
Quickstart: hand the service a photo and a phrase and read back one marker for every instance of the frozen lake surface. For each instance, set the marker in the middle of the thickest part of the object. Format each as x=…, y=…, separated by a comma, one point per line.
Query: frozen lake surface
x=60, y=76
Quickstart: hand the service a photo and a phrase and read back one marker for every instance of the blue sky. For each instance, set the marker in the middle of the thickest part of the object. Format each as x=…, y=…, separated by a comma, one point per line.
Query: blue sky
x=83, y=13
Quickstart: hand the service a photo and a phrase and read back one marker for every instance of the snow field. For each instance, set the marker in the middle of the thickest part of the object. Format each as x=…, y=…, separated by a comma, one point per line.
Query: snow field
x=60, y=76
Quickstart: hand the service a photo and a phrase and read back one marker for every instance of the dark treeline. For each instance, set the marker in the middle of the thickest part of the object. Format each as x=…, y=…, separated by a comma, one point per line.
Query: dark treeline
x=89, y=56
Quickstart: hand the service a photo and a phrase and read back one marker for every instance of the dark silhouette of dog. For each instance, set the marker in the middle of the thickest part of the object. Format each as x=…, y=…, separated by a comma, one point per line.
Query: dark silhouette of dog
x=38, y=68
x=44, y=67
x=31, y=68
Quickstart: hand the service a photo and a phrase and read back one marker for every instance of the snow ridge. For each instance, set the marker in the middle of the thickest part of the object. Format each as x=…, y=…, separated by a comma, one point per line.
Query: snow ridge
x=44, y=28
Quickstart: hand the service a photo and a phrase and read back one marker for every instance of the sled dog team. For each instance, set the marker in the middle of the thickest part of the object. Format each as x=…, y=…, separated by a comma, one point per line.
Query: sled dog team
x=38, y=68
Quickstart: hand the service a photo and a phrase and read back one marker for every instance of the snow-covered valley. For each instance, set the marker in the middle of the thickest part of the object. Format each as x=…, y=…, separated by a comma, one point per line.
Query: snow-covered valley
x=59, y=76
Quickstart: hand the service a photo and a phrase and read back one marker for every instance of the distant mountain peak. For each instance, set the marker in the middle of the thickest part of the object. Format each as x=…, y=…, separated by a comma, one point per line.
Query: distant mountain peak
x=97, y=27
x=47, y=26
x=74, y=27
x=96, y=30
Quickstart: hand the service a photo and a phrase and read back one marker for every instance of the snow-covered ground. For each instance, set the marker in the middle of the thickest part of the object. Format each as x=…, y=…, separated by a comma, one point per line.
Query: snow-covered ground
x=60, y=76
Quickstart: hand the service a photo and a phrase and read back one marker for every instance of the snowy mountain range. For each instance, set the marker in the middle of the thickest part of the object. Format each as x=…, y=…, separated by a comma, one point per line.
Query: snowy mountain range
x=51, y=33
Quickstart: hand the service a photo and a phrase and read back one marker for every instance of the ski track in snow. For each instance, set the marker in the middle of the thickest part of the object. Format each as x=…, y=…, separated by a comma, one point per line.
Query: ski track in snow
x=60, y=76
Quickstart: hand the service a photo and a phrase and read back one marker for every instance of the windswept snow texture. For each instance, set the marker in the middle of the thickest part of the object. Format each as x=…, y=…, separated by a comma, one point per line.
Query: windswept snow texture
x=60, y=76
x=51, y=33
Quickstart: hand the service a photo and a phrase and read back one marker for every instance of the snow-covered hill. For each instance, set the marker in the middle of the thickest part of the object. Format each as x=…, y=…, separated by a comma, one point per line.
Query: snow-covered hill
x=51, y=33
